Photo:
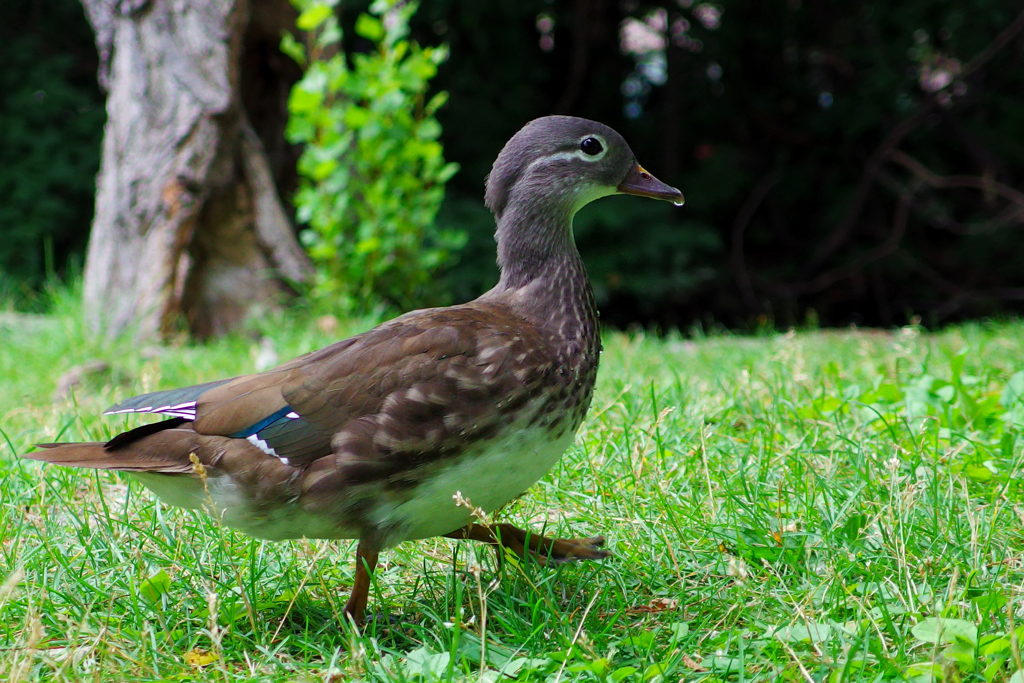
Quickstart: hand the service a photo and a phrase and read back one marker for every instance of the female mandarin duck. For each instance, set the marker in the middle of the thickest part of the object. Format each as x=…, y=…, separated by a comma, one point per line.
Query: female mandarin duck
x=372, y=437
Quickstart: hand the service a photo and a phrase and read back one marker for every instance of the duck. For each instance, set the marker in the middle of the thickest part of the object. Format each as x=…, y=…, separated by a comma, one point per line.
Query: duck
x=409, y=430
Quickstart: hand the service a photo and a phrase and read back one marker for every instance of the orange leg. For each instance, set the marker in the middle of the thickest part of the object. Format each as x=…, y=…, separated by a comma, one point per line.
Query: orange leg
x=366, y=561
x=544, y=550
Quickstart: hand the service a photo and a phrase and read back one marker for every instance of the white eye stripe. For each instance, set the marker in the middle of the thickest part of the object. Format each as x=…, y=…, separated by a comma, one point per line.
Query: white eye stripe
x=561, y=156
x=543, y=161
x=568, y=156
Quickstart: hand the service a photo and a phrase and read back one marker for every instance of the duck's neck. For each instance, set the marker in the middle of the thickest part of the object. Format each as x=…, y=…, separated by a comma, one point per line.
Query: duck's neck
x=542, y=271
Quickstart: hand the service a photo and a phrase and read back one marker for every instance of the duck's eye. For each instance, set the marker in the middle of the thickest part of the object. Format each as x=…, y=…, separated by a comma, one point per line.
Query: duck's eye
x=591, y=146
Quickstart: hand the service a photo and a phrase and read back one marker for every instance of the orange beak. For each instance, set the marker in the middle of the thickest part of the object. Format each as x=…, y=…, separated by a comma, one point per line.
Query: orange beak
x=643, y=184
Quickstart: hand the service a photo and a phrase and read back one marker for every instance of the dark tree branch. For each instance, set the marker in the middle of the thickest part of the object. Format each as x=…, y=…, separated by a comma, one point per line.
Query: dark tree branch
x=841, y=234
x=739, y=266
x=930, y=274
x=985, y=184
x=891, y=243
x=871, y=169
x=927, y=211
x=922, y=177
x=1009, y=215
x=1001, y=41
x=931, y=212
x=982, y=155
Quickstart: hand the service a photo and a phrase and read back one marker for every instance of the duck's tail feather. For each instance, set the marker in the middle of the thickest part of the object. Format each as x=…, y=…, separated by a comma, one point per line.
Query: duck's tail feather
x=160, y=448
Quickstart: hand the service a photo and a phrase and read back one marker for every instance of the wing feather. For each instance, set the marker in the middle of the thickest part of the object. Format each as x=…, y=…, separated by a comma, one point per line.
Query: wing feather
x=173, y=402
x=413, y=390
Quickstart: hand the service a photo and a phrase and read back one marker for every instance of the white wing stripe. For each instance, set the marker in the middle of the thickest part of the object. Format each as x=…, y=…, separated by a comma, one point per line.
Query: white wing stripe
x=186, y=410
x=262, y=445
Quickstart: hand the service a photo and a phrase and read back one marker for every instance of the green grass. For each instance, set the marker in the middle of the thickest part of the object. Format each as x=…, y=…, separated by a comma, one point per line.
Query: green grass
x=797, y=507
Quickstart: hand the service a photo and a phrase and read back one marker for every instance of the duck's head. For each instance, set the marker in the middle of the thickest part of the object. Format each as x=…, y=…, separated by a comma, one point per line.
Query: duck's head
x=558, y=164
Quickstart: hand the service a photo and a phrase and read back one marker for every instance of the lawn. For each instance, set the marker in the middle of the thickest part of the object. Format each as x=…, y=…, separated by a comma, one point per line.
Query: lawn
x=809, y=506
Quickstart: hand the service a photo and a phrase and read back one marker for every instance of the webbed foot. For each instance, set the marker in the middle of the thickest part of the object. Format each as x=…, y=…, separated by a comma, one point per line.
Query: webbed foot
x=546, y=551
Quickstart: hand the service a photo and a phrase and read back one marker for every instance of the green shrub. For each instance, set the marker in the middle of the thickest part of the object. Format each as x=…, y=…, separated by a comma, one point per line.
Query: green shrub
x=373, y=171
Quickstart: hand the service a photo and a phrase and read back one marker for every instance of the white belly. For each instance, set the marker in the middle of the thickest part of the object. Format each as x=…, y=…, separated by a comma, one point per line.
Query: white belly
x=236, y=511
x=488, y=478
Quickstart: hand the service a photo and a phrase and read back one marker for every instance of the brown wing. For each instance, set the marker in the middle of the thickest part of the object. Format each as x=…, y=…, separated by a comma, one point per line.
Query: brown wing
x=419, y=390
x=400, y=394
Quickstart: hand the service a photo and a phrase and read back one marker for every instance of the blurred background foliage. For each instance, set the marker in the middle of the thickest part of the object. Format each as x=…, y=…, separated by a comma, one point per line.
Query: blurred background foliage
x=372, y=169
x=51, y=126
x=842, y=162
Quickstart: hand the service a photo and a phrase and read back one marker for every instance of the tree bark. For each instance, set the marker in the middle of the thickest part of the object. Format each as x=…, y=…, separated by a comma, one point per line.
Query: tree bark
x=188, y=226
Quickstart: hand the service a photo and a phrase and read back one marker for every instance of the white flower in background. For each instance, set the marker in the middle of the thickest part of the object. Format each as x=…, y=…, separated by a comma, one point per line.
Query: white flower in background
x=709, y=16
x=641, y=37
x=938, y=72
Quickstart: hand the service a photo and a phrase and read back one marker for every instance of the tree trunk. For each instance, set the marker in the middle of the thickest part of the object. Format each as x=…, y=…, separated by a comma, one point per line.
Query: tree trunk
x=188, y=225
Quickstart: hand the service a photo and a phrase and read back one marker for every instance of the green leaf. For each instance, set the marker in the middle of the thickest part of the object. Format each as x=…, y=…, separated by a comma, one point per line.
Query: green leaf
x=429, y=129
x=978, y=473
x=679, y=629
x=656, y=669
x=156, y=585
x=313, y=16
x=600, y=667
x=231, y=612
x=423, y=662
x=435, y=103
x=369, y=28
x=808, y=632
x=994, y=645
x=445, y=174
x=513, y=666
x=924, y=672
x=720, y=664
x=994, y=668
x=827, y=405
x=302, y=101
x=293, y=48
x=945, y=631
x=961, y=653
x=643, y=640
x=622, y=672
x=854, y=527
x=356, y=117
x=1014, y=392
x=368, y=245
